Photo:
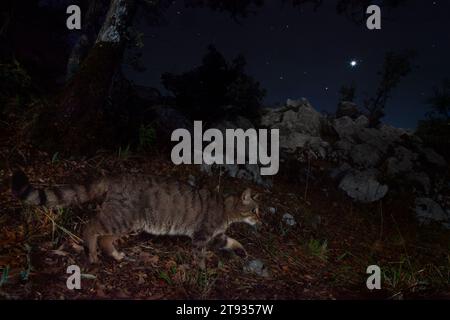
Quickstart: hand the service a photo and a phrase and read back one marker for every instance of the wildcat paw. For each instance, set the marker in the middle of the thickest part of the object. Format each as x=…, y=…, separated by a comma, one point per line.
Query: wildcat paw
x=118, y=256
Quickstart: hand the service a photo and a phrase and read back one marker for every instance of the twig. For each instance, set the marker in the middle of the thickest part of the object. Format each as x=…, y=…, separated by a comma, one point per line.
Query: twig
x=73, y=236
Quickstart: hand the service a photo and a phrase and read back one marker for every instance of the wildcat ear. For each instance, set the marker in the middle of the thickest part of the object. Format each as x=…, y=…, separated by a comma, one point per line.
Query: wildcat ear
x=246, y=196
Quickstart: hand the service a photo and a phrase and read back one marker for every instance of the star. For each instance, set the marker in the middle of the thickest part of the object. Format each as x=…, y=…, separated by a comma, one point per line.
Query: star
x=353, y=63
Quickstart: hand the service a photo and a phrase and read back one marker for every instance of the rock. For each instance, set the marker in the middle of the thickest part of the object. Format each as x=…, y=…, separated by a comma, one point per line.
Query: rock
x=300, y=128
x=249, y=172
x=238, y=122
x=345, y=128
x=347, y=109
x=374, y=138
x=421, y=179
x=297, y=116
x=362, y=186
x=340, y=171
x=427, y=210
x=394, y=134
x=364, y=156
x=362, y=122
x=257, y=267
x=402, y=162
x=298, y=141
x=289, y=219
x=433, y=157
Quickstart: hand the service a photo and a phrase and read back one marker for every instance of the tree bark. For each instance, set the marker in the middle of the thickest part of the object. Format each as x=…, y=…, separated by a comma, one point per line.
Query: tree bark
x=90, y=28
x=77, y=123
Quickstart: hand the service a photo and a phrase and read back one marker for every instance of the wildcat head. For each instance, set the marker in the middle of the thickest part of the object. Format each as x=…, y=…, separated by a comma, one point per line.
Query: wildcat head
x=246, y=208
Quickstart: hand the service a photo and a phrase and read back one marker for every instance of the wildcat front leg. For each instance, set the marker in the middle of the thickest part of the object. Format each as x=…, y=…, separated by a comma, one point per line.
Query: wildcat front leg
x=90, y=237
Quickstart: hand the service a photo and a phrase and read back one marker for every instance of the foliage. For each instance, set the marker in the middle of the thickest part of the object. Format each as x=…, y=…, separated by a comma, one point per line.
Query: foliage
x=318, y=249
x=147, y=136
x=348, y=93
x=435, y=133
x=439, y=102
x=216, y=88
x=14, y=83
x=124, y=153
x=395, y=67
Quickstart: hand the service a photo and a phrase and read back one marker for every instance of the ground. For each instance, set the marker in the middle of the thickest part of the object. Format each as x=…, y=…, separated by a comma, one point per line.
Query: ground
x=324, y=256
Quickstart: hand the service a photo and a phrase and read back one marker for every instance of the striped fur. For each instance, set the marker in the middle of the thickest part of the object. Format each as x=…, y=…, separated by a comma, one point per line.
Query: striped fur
x=55, y=197
x=153, y=204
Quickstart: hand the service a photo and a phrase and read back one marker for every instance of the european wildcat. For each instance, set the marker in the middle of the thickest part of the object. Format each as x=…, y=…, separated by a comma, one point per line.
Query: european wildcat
x=153, y=204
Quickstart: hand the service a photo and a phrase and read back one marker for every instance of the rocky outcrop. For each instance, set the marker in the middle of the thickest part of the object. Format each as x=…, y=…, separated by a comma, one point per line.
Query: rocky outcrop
x=250, y=172
x=427, y=211
x=366, y=162
x=363, y=186
x=300, y=128
x=347, y=109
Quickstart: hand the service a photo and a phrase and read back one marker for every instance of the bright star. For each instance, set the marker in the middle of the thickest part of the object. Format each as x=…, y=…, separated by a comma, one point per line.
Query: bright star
x=353, y=63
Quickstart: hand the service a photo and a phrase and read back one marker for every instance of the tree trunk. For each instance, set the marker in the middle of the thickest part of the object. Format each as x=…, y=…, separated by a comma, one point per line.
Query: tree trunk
x=77, y=123
x=91, y=26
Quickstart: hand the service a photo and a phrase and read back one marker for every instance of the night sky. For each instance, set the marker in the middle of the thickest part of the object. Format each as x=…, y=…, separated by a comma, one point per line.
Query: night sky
x=296, y=54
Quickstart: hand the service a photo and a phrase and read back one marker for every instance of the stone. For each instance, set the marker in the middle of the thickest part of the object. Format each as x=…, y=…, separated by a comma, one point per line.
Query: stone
x=421, y=179
x=297, y=116
x=427, y=210
x=257, y=267
x=345, y=128
x=362, y=121
x=363, y=155
x=433, y=157
x=402, y=162
x=340, y=171
x=362, y=186
x=347, y=108
x=289, y=219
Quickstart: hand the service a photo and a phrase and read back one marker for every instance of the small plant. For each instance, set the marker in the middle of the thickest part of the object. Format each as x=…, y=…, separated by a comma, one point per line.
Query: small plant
x=318, y=249
x=205, y=281
x=403, y=277
x=4, y=275
x=24, y=274
x=166, y=277
x=399, y=277
x=55, y=158
x=147, y=137
x=124, y=153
